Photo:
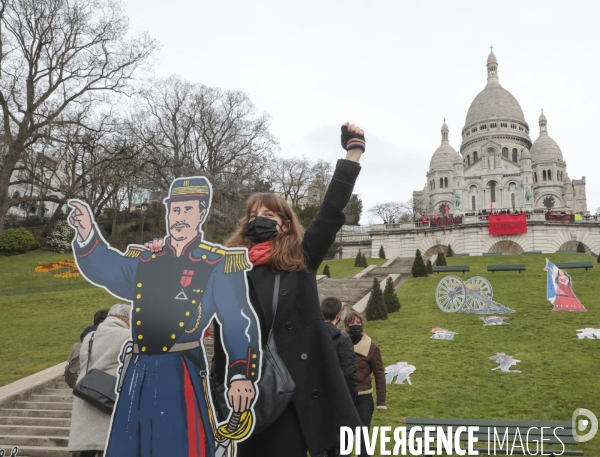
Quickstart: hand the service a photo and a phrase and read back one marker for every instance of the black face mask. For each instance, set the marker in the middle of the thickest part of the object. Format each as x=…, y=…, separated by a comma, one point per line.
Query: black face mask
x=261, y=229
x=355, y=331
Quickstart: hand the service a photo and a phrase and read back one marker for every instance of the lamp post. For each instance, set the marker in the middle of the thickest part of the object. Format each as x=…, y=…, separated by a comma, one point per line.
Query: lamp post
x=145, y=206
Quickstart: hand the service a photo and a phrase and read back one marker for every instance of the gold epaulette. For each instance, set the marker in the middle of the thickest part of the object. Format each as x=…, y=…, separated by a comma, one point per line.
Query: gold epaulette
x=214, y=249
x=236, y=261
x=134, y=252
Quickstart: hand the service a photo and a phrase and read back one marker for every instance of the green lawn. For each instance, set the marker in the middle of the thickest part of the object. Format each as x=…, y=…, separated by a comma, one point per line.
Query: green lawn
x=345, y=268
x=454, y=379
x=39, y=329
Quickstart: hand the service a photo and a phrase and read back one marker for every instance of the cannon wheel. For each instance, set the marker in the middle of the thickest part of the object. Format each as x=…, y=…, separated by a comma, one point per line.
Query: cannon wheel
x=478, y=299
x=451, y=294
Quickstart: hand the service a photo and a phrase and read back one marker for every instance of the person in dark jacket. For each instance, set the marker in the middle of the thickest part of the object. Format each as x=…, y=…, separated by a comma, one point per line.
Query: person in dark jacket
x=332, y=310
x=368, y=361
x=99, y=317
x=277, y=243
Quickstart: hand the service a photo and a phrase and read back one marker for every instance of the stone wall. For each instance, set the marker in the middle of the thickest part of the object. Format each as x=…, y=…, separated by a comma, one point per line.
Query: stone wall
x=474, y=239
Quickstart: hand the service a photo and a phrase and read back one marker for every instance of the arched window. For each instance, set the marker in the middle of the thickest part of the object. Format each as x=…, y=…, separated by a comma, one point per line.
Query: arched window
x=544, y=175
x=505, y=152
x=493, y=192
x=468, y=160
x=549, y=175
x=446, y=182
x=441, y=183
x=512, y=201
x=474, y=156
x=17, y=194
x=515, y=157
x=473, y=203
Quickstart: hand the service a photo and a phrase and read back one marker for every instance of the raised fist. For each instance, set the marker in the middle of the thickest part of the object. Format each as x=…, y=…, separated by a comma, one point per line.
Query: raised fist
x=80, y=218
x=353, y=137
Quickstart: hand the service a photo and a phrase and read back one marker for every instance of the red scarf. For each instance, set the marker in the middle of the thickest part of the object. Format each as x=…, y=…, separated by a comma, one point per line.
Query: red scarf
x=259, y=253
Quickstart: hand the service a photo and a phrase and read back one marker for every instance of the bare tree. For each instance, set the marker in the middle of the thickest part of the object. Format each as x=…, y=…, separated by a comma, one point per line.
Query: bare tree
x=56, y=55
x=291, y=177
x=389, y=212
x=190, y=129
x=420, y=206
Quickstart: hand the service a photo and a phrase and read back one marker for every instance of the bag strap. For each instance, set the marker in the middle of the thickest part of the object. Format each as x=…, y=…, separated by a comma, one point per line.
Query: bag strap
x=87, y=365
x=275, y=295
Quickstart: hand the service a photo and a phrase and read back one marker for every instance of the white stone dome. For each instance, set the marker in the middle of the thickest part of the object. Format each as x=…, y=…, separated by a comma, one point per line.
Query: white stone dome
x=545, y=148
x=494, y=102
x=445, y=156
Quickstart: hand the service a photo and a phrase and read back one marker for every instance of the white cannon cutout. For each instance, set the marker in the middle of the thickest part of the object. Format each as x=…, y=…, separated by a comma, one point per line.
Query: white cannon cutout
x=474, y=296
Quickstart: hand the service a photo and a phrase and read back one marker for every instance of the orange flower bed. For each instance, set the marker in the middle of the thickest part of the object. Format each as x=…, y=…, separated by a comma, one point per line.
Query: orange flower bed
x=68, y=274
x=60, y=265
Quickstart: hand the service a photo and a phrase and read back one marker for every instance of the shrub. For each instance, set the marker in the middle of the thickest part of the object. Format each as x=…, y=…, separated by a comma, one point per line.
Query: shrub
x=17, y=241
x=381, y=252
x=358, y=259
x=429, y=267
x=364, y=261
x=419, y=270
x=392, y=304
x=333, y=250
x=580, y=247
x=61, y=237
x=450, y=251
x=441, y=260
x=326, y=271
x=375, y=310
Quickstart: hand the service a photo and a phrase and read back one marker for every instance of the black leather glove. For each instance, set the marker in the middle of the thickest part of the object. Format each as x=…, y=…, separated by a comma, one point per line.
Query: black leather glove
x=351, y=140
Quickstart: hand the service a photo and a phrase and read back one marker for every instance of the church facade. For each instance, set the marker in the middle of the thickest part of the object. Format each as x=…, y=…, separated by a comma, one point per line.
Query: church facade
x=498, y=166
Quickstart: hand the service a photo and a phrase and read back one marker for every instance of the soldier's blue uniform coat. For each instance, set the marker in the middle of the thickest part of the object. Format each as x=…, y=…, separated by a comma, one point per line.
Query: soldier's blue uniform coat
x=162, y=410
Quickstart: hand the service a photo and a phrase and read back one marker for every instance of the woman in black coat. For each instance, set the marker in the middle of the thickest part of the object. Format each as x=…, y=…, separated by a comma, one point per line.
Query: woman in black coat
x=276, y=243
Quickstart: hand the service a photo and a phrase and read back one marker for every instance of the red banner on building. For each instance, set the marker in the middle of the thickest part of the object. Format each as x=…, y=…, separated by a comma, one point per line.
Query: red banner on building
x=507, y=224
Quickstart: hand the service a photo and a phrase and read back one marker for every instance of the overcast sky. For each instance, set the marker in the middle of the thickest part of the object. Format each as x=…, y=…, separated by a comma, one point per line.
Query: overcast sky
x=395, y=68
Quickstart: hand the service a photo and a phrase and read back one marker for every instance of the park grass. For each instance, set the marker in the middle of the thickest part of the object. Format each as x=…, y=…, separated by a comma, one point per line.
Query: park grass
x=454, y=379
x=344, y=268
x=38, y=329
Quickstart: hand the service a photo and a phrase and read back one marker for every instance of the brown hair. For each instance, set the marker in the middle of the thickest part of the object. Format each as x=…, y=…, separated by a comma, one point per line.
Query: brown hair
x=286, y=254
x=330, y=307
x=350, y=317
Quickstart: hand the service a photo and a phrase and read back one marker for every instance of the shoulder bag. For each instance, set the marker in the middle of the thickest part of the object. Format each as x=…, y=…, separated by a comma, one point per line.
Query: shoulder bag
x=275, y=387
x=97, y=387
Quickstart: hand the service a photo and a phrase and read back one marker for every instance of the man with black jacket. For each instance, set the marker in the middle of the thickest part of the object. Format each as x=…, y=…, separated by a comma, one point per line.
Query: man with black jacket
x=331, y=308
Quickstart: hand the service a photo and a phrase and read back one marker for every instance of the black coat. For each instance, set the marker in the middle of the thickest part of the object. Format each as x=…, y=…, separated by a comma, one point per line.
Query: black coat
x=303, y=340
x=346, y=357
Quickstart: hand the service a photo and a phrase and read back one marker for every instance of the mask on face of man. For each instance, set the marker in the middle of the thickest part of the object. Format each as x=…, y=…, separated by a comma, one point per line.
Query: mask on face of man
x=261, y=229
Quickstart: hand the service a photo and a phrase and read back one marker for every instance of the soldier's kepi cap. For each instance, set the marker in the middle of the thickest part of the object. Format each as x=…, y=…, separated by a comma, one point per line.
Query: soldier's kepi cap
x=197, y=188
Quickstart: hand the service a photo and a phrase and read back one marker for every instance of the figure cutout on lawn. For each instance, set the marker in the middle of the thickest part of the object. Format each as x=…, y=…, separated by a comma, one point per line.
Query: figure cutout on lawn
x=588, y=333
x=401, y=371
x=559, y=289
x=493, y=320
x=164, y=405
x=505, y=362
x=442, y=334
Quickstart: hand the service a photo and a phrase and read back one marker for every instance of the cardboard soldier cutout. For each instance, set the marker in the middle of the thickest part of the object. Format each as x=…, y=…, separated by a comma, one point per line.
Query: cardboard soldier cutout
x=164, y=405
x=504, y=362
x=493, y=320
x=401, y=371
x=588, y=333
x=442, y=334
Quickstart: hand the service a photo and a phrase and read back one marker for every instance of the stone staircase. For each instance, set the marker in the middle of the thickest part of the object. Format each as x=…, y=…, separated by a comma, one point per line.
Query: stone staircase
x=400, y=266
x=38, y=423
x=347, y=290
